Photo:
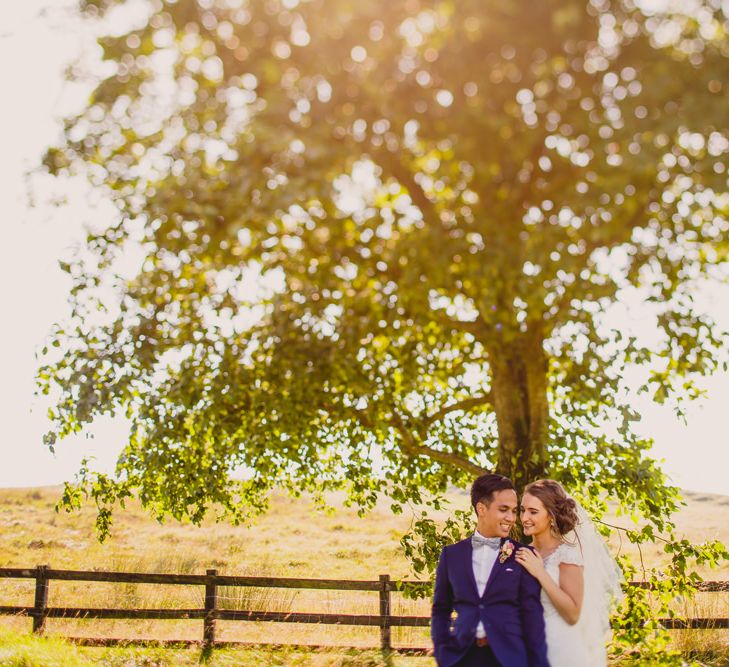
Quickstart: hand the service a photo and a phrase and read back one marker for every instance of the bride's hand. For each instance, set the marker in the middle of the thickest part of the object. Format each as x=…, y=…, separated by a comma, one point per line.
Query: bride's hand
x=531, y=561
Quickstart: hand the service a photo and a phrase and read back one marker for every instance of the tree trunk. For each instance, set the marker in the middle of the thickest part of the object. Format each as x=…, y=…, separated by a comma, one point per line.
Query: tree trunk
x=519, y=391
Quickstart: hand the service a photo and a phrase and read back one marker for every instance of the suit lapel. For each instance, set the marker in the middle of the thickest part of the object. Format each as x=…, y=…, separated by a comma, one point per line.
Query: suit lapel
x=468, y=566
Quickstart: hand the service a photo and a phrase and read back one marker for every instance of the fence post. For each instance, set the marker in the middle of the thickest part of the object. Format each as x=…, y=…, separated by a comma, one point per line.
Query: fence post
x=211, y=605
x=385, y=636
x=41, y=598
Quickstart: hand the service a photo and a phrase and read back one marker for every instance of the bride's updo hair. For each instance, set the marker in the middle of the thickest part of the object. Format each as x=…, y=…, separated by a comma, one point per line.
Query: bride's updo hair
x=560, y=507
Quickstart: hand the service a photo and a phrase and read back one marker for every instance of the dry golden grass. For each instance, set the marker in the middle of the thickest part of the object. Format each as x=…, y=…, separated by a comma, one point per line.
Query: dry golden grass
x=292, y=540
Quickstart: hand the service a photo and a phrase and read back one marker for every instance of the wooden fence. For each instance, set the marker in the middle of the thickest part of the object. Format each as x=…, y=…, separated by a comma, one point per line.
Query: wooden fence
x=384, y=620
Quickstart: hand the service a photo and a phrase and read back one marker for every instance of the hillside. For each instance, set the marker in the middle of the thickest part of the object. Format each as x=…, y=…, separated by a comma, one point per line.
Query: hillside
x=293, y=539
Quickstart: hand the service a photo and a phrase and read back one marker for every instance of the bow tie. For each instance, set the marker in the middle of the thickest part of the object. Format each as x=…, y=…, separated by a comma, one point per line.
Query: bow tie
x=478, y=541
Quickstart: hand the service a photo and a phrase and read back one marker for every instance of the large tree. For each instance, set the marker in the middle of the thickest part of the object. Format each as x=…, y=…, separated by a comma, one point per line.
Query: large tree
x=381, y=241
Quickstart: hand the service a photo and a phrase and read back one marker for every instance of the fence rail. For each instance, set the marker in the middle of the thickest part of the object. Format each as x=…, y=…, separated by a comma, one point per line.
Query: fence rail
x=211, y=612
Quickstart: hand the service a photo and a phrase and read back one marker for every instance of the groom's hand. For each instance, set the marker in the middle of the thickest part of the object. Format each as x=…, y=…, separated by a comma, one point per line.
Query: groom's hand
x=531, y=561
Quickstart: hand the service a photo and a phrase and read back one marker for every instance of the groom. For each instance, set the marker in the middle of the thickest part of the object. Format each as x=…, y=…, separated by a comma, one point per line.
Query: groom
x=486, y=608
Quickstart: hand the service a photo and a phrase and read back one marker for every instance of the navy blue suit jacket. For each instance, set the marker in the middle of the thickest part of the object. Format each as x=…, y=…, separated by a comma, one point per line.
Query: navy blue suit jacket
x=510, y=610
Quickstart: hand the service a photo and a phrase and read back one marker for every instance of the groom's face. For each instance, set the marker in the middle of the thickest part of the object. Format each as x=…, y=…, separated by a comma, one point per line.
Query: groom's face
x=495, y=519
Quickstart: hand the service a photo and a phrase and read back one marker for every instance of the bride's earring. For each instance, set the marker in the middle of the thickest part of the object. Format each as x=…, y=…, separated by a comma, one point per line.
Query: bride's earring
x=552, y=529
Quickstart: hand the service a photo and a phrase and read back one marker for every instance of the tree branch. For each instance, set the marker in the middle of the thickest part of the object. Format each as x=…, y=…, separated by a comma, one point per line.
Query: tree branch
x=413, y=447
x=391, y=163
x=410, y=446
x=475, y=327
x=409, y=443
x=465, y=404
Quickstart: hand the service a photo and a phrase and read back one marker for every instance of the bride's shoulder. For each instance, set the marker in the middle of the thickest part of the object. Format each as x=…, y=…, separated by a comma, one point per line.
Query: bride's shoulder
x=570, y=554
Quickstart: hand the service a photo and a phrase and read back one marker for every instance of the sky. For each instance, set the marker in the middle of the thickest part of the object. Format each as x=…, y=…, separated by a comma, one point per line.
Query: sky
x=38, y=39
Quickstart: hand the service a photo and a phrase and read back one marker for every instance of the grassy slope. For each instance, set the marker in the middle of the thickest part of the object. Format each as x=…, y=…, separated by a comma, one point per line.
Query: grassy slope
x=293, y=539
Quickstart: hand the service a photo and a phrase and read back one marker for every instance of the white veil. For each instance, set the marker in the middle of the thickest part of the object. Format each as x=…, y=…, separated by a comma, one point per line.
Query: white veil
x=602, y=589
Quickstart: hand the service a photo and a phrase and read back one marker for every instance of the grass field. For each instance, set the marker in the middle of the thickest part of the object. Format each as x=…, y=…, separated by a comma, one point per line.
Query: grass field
x=292, y=540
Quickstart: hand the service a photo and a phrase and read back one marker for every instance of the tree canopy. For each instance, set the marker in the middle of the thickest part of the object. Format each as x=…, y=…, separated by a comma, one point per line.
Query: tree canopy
x=442, y=200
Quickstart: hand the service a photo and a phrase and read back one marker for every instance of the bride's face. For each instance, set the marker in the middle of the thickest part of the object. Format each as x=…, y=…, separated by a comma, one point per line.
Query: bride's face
x=534, y=516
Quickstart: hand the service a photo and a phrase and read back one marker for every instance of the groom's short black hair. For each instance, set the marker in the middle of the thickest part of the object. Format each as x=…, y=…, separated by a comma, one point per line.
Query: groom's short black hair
x=484, y=487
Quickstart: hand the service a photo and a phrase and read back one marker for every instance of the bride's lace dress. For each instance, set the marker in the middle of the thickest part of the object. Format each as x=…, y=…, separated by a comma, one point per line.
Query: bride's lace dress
x=566, y=645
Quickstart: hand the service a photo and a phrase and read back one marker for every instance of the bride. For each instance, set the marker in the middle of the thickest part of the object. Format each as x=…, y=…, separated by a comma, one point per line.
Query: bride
x=579, y=578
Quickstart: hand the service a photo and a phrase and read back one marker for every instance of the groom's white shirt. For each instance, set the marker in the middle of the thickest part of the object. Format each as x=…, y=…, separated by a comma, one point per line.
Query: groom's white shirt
x=483, y=561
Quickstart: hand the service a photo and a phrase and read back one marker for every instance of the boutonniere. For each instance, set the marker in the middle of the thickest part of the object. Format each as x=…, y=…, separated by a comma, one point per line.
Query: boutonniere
x=507, y=548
